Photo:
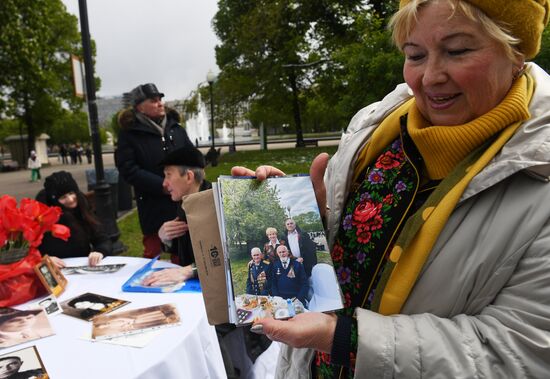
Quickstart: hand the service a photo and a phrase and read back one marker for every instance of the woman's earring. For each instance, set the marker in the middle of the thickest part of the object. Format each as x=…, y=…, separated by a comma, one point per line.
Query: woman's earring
x=518, y=73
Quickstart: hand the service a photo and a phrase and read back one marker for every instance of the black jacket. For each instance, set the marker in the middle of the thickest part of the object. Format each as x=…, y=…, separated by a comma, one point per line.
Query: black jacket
x=83, y=240
x=139, y=151
x=308, y=250
x=182, y=246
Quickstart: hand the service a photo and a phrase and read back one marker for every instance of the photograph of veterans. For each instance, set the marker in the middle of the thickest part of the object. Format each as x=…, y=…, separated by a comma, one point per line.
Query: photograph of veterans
x=436, y=209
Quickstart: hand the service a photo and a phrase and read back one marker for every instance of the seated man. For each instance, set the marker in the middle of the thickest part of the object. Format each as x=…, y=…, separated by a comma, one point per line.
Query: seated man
x=289, y=277
x=183, y=175
x=258, y=281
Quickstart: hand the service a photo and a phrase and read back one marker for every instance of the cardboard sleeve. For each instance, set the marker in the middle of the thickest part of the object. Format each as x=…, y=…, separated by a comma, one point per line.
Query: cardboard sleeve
x=207, y=248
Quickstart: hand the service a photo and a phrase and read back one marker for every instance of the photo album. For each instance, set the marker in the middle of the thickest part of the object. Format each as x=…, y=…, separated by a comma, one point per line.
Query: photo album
x=275, y=253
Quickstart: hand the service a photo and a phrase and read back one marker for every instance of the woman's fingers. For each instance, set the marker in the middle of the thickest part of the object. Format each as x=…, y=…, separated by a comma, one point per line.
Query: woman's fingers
x=262, y=172
x=313, y=330
x=94, y=258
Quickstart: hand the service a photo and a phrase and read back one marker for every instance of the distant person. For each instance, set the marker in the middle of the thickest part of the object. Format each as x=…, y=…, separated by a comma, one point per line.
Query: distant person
x=270, y=247
x=183, y=175
x=88, y=152
x=87, y=236
x=63, y=152
x=79, y=153
x=73, y=154
x=10, y=366
x=258, y=280
x=289, y=277
x=300, y=245
x=148, y=132
x=34, y=165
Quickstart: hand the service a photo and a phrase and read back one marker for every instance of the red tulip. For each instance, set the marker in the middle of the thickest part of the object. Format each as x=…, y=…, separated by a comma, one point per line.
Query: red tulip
x=61, y=231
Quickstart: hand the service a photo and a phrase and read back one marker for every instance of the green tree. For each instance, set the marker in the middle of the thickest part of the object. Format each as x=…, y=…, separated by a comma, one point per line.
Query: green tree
x=37, y=38
x=308, y=222
x=249, y=208
x=306, y=62
x=70, y=127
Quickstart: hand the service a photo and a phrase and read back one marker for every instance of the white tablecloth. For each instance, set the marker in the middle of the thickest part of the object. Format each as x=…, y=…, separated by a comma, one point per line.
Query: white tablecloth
x=190, y=350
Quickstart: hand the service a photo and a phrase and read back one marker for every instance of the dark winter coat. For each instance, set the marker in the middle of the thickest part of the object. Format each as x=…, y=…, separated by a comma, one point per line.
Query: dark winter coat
x=308, y=249
x=139, y=151
x=83, y=240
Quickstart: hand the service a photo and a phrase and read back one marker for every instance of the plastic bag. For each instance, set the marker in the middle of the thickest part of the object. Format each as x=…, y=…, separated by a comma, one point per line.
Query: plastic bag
x=18, y=282
x=134, y=283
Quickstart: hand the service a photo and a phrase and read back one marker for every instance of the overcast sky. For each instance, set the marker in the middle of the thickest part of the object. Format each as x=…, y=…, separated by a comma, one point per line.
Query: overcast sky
x=166, y=42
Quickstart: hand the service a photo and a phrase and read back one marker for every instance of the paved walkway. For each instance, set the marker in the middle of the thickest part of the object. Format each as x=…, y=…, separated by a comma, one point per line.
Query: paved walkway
x=17, y=183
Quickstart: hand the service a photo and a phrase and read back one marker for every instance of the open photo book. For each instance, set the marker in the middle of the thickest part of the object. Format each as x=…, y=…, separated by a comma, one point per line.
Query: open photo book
x=276, y=261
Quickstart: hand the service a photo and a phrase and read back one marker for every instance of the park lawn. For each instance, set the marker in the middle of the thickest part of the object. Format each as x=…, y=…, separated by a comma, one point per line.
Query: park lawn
x=291, y=161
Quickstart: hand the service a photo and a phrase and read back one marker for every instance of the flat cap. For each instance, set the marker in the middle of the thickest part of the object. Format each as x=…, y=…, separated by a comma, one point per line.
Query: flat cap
x=144, y=92
x=188, y=156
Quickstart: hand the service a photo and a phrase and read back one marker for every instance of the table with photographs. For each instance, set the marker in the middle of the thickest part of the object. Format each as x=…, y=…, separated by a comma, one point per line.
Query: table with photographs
x=189, y=350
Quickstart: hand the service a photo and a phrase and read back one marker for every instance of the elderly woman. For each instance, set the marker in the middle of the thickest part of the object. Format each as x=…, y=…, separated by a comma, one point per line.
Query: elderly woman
x=87, y=236
x=443, y=185
x=270, y=247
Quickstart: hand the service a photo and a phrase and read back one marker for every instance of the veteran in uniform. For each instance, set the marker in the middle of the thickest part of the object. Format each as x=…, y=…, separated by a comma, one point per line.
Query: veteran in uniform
x=289, y=277
x=258, y=281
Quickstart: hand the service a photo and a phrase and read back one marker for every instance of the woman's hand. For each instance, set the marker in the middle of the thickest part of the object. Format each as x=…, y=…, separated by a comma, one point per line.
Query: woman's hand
x=94, y=258
x=262, y=172
x=313, y=330
x=57, y=262
x=168, y=276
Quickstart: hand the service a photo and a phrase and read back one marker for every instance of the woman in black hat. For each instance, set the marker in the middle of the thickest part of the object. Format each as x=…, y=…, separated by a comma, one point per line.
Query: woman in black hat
x=87, y=237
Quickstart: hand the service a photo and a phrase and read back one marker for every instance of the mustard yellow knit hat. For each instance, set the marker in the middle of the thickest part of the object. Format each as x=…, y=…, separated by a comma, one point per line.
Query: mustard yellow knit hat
x=526, y=19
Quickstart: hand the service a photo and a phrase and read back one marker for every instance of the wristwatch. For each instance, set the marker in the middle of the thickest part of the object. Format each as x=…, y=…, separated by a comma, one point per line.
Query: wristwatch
x=195, y=270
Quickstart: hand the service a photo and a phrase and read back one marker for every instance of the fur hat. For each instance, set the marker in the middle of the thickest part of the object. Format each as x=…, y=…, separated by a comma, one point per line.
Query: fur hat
x=525, y=19
x=58, y=184
x=188, y=156
x=144, y=92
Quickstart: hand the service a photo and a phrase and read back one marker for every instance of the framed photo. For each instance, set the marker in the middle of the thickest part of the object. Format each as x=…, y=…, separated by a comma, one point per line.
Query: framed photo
x=24, y=363
x=89, y=305
x=50, y=276
x=50, y=305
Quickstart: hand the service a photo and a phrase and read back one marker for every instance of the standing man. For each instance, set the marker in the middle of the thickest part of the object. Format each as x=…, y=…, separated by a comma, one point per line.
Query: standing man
x=183, y=175
x=148, y=132
x=258, y=281
x=300, y=245
x=289, y=277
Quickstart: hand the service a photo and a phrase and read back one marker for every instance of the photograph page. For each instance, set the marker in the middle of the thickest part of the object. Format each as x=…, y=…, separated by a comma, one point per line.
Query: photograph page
x=278, y=263
x=135, y=321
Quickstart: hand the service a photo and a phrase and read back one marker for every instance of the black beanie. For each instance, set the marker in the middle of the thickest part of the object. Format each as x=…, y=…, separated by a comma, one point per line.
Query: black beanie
x=58, y=184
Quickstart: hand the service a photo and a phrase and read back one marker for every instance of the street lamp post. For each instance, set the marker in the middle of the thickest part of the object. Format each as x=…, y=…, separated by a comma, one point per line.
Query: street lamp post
x=102, y=191
x=212, y=154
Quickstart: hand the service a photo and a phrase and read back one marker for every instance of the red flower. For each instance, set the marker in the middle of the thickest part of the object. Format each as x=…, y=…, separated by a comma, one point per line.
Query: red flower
x=388, y=199
x=387, y=161
x=365, y=211
x=61, y=231
x=363, y=236
x=347, y=300
x=337, y=253
x=366, y=217
x=26, y=225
